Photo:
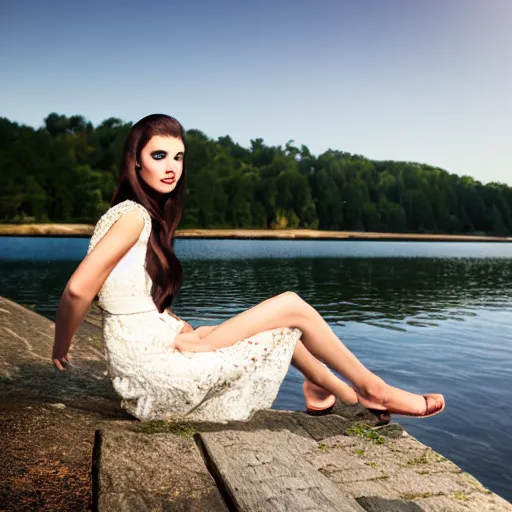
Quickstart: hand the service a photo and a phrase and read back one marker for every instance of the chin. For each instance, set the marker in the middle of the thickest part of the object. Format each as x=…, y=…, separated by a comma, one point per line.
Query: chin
x=167, y=189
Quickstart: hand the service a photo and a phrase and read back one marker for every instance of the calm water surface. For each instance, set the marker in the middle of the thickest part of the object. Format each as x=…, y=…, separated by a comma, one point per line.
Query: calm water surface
x=430, y=317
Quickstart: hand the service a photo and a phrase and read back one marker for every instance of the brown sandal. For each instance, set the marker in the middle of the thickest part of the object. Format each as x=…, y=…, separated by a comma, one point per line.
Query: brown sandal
x=435, y=408
x=434, y=404
x=320, y=402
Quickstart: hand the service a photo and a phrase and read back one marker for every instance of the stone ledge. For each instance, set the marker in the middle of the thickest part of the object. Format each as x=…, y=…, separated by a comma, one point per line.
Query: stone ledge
x=388, y=470
x=48, y=423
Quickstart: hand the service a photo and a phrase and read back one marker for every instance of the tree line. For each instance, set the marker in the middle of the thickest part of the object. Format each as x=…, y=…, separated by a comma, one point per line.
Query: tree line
x=66, y=171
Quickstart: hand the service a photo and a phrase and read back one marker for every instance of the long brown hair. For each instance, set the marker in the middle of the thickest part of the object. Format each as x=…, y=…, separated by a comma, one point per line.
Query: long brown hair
x=162, y=264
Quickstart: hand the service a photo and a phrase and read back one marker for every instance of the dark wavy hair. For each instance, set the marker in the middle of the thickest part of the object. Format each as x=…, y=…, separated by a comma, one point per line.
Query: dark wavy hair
x=162, y=264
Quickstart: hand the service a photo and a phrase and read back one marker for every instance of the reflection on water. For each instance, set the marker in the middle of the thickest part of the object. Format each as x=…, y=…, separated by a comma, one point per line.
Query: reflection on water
x=390, y=293
x=427, y=324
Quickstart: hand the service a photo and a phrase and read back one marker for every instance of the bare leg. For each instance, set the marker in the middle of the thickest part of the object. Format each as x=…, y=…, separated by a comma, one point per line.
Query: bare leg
x=312, y=369
x=317, y=373
x=318, y=392
x=325, y=383
x=289, y=310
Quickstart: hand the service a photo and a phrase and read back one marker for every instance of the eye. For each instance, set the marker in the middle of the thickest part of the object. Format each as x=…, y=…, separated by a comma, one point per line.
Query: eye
x=179, y=157
x=158, y=155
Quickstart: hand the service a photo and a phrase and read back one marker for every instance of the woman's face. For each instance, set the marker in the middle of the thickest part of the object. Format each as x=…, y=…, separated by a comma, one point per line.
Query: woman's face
x=162, y=159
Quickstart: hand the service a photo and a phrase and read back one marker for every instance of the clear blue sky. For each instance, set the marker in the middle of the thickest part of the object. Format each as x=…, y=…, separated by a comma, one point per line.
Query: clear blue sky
x=427, y=81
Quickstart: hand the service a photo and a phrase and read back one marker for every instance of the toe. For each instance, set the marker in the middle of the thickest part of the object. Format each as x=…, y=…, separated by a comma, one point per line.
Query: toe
x=433, y=403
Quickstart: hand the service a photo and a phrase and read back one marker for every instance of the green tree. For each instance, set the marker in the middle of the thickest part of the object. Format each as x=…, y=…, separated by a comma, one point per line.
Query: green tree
x=66, y=170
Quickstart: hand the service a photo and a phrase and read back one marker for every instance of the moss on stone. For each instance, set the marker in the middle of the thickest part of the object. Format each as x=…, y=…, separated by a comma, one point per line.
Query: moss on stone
x=461, y=495
x=365, y=431
x=165, y=427
x=428, y=456
x=413, y=496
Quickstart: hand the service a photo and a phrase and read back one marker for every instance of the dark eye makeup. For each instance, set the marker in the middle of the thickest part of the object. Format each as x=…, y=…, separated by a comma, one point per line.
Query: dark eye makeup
x=160, y=154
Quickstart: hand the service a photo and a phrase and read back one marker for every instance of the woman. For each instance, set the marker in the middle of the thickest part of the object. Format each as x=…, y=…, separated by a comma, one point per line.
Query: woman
x=159, y=365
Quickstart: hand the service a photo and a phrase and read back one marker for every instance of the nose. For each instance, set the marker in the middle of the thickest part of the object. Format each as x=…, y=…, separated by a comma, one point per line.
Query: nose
x=171, y=166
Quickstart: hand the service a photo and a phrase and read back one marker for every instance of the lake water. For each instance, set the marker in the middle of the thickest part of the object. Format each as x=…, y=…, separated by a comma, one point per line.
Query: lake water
x=429, y=317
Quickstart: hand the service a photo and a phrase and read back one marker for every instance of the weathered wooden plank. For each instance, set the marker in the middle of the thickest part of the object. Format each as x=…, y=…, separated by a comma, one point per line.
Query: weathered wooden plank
x=265, y=471
x=151, y=472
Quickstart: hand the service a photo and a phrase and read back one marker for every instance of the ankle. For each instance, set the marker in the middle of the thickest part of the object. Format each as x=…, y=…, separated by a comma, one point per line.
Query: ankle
x=374, y=391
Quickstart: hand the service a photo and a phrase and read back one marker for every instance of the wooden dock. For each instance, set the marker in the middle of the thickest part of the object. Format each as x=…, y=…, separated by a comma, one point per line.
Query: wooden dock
x=67, y=445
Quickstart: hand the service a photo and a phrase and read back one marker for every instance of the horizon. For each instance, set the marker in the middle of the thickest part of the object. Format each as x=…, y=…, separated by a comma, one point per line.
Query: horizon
x=398, y=81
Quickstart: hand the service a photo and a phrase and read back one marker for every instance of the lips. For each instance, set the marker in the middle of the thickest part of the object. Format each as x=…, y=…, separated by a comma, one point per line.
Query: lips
x=168, y=181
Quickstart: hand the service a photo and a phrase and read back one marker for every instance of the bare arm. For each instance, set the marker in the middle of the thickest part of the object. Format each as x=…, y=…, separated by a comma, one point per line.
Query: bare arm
x=88, y=279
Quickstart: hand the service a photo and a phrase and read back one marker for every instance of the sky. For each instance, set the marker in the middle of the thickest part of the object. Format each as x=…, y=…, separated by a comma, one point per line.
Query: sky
x=428, y=82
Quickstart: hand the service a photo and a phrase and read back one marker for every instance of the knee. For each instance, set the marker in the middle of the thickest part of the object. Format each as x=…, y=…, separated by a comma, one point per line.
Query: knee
x=291, y=301
x=290, y=297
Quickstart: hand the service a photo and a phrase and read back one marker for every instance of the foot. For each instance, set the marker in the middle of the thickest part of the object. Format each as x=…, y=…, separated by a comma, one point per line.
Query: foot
x=382, y=414
x=318, y=400
x=433, y=404
x=368, y=404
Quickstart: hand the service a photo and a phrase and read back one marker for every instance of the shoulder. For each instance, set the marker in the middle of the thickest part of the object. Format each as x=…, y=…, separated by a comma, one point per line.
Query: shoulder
x=125, y=208
x=127, y=215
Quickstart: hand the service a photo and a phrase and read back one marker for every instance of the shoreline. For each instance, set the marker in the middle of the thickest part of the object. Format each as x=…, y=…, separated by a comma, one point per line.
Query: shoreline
x=85, y=231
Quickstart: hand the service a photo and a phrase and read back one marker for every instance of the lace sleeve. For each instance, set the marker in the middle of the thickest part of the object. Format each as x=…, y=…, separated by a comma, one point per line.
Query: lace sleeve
x=114, y=214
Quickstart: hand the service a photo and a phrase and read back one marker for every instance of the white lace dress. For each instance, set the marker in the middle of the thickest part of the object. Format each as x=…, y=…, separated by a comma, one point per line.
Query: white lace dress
x=155, y=381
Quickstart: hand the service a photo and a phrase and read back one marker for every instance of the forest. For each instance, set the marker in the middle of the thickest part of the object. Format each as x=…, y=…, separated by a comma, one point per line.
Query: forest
x=66, y=170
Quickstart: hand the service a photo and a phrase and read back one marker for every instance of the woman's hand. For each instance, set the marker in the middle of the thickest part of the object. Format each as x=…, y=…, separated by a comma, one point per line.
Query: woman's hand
x=61, y=362
x=60, y=358
x=191, y=342
x=186, y=328
x=203, y=330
